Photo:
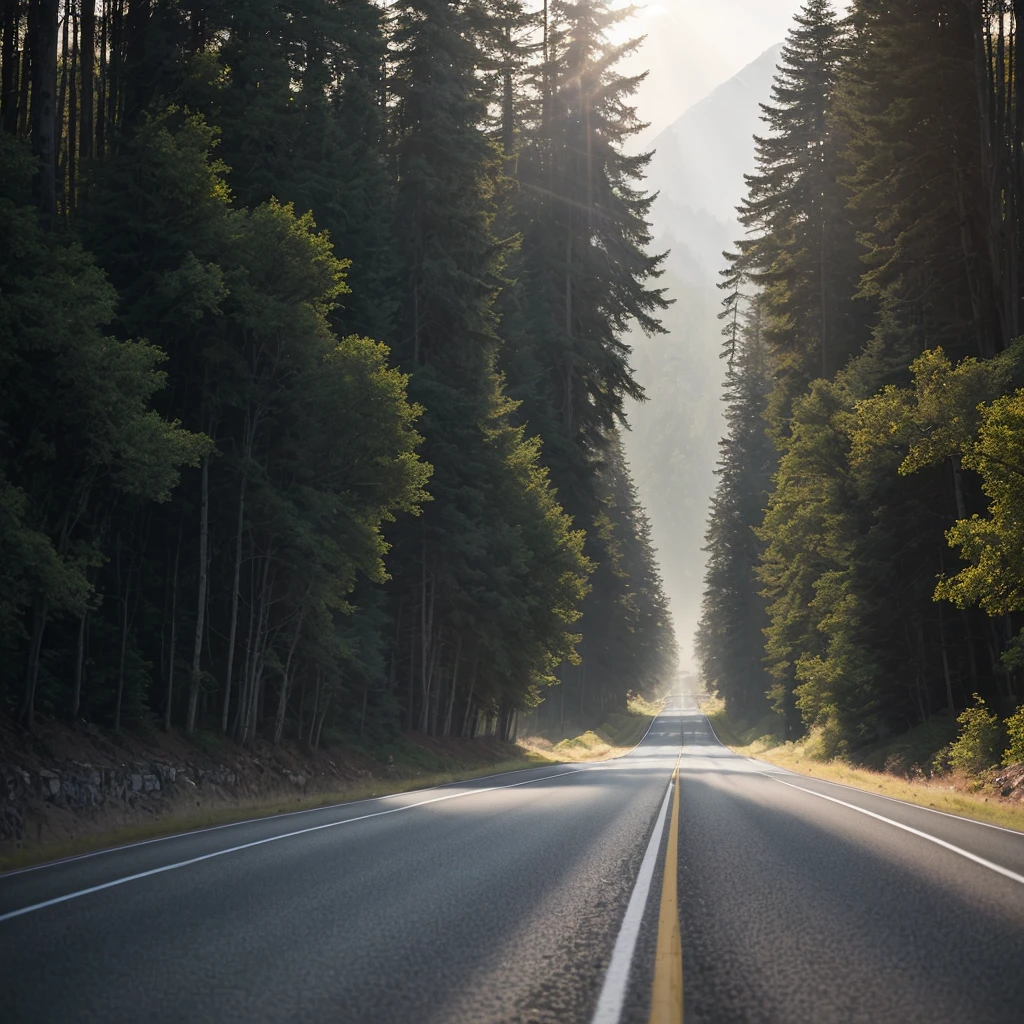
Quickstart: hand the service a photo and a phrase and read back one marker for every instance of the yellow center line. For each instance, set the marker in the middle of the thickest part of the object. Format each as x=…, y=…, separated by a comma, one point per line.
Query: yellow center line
x=667, y=995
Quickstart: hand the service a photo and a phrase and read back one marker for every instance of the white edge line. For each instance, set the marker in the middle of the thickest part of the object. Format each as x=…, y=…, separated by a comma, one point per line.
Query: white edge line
x=999, y=869
x=270, y=817
x=618, y=757
x=616, y=980
x=868, y=792
x=268, y=839
x=897, y=800
x=304, y=810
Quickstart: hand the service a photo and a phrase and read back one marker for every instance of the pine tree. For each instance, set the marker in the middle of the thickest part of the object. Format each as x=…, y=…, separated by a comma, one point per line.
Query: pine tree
x=729, y=643
x=802, y=251
x=918, y=179
x=80, y=437
x=584, y=276
x=451, y=264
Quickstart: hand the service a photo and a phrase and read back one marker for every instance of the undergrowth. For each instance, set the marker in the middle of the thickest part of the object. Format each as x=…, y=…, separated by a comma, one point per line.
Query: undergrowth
x=622, y=731
x=914, y=766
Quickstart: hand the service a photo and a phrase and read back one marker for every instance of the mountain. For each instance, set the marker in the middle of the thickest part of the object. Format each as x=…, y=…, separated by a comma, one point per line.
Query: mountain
x=673, y=445
x=700, y=160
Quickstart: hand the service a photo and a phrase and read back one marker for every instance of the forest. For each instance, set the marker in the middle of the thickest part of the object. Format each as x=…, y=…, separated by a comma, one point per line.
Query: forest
x=312, y=321
x=865, y=575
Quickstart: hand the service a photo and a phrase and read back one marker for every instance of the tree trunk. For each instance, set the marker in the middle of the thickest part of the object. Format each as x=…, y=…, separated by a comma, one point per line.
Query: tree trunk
x=282, y=700
x=62, y=88
x=9, y=74
x=447, y=730
x=320, y=722
x=235, y=588
x=72, y=150
x=469, y=699
x=316, y=707
x=76, y=693
x=87, y=61
x=242, y=711
x=24, y=89
x=958, y=486
x=426, y=626
x=197, y=647
x=137, y=72
x=43, y=39
x=115, y=69
x=27, y=713
x=121, y=658
x=412, y=676
x=945, y=661
x=101, y=90
x=259, y=655
x=174, y=638
x=432, y=696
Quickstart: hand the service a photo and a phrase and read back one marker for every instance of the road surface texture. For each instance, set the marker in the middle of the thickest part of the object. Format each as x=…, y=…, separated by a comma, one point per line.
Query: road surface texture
x=560, y=894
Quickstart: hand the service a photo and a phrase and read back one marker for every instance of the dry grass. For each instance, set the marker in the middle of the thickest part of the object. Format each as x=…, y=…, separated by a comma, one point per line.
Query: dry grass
x=948, y=793
x=243, y=810
x=952, y=794
x=618, y=736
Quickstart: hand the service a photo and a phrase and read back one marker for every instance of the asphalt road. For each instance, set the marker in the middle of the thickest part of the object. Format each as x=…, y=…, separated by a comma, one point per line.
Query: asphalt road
x=524, y=897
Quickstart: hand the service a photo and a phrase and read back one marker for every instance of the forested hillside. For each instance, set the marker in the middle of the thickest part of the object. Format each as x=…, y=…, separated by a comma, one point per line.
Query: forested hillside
x=312, y=320
x=697, y=171
x=865, y=570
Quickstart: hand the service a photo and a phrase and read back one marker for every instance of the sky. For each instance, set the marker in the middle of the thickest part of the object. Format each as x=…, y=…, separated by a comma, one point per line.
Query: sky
x=694, y=45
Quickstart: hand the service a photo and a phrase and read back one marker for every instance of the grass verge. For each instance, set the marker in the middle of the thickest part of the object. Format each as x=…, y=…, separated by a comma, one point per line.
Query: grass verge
x=941, y=793
x=618, y=736
x=214, y=814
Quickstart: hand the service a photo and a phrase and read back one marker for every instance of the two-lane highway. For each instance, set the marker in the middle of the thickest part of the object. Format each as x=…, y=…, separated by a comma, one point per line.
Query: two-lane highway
x=535, y=896
x=802, y=900
x=490, y=900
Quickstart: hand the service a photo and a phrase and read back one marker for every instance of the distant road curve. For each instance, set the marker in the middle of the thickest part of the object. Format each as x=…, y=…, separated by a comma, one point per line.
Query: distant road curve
x=509, y=898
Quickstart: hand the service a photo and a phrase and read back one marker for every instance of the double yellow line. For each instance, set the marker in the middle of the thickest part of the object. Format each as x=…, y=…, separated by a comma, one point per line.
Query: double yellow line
x=667, y=996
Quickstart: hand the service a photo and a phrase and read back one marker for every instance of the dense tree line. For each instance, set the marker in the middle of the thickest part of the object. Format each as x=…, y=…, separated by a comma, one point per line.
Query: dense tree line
x=866, y=560
x=311, y=320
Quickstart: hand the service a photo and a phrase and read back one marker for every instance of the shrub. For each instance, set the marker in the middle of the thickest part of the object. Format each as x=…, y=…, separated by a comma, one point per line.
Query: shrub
x=825, y=741
x=941, y=763
x=914, y=753
x=977, y=746
x=1015, y=735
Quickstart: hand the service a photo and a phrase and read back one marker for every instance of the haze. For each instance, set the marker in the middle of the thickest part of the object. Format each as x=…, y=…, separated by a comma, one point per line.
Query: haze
x=688, y=52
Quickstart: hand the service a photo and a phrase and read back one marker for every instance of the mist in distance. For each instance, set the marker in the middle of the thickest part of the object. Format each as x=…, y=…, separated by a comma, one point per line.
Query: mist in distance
x=702, y=97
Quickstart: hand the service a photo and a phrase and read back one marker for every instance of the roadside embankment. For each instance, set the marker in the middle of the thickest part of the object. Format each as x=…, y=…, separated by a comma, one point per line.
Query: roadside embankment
x=622, y=731
x=71, y=789
x=994, y=795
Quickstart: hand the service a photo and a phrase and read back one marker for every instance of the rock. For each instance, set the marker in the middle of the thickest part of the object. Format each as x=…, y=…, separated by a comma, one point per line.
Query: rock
x=150, y=783
x=136, y=782
x=50, y=782
x=1011, y=779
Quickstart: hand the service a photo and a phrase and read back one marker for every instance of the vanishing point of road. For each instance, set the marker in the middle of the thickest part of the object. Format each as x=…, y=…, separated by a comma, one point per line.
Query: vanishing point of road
x=679, y=880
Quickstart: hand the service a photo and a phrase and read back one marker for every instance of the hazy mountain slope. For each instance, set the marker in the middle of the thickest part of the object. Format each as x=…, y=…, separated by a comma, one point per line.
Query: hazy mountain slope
x=700, y=160
x=673, y=446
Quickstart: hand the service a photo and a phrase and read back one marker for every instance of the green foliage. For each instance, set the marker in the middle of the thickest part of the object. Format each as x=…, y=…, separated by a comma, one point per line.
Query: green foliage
x=801, y=248
x=913, y=753
x=1014, y=725
x=991, y=546
x=259, y=467
x=77, y=433
x=872, y=243
x=729, y=640
x=976, y=748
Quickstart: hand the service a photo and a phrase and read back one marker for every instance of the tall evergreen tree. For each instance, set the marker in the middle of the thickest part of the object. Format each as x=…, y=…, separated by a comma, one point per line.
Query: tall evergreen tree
x=802, y=249
x=267, y=186
x=730, y=644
